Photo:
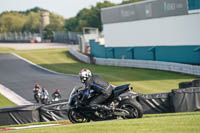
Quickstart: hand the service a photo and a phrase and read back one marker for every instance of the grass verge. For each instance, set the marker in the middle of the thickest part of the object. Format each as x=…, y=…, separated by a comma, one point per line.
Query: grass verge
x=175, y=123
x=4, y=102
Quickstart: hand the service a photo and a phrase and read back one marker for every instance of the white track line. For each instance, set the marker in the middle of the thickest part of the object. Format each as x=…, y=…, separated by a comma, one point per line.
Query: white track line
x=34, y=126
x=28, y=61
x=12, y=96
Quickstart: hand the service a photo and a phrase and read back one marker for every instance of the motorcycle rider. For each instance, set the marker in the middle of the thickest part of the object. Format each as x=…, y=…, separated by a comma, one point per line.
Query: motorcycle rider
x=56, y=94
x=37, y=87
x=44, y=95
x=37, y=92
x=97, y=84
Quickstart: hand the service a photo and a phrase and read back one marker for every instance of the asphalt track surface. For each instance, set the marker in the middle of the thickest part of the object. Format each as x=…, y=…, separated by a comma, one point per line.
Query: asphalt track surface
x=20, y=76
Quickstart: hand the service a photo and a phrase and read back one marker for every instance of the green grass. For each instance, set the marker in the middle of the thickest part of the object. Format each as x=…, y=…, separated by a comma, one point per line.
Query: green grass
x=4, y=102
x=6, y=50
x=163, y=123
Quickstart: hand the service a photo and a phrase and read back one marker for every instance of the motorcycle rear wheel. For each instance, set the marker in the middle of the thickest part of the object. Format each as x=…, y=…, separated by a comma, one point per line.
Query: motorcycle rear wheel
x=133, y=107
x=75, y=117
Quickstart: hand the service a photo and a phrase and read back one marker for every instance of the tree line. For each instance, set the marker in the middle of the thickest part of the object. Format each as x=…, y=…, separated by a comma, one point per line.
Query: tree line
x=30, y=20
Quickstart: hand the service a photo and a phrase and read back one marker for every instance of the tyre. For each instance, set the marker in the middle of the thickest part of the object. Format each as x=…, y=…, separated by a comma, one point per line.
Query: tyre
x=196, y=83
x=184, y=85
x=75, y=117
x=133, y=107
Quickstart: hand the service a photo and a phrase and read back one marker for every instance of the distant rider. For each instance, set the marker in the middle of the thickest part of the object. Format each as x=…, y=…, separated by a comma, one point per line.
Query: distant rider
x=37, y=88
x=37, y=92
x=44, y=96
x=56, y=95
x=97, y=84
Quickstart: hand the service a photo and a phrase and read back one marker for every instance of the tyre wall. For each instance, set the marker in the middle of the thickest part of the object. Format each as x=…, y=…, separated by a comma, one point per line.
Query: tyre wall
x=185, y=100
x=155, y=103
x=19, y=115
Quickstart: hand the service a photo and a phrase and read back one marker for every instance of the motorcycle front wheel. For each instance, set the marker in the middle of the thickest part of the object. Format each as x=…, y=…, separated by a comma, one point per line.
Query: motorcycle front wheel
x=75, y=117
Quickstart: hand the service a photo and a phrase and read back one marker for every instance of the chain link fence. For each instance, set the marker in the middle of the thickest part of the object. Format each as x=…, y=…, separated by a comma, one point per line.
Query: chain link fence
x=67, y=37
x=19, y=37
x=59, y=37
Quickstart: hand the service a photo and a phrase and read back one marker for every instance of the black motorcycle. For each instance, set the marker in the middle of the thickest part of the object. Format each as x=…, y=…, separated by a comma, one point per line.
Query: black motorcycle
x=122, y=102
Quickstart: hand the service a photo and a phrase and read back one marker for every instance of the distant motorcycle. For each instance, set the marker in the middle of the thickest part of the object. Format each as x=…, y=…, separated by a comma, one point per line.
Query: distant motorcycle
x=56, y=97
x=44, y=96
x=44, y=99
x=126, y=108
x=37, y=95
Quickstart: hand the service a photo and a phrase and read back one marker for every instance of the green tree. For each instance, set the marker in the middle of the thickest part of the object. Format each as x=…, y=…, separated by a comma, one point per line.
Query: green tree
x=33, y=22
x=71, y=24
x=29, y=21
x=87, y=18
x=11, y=22
x=35, y=9
x=56, y=24
x=130, y=1
x=95, y=20
x=48, y=31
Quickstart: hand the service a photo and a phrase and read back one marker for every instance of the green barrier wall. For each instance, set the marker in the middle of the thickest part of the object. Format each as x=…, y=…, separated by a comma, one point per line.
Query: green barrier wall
x=123, y=53
x=110, y=52
x=180, y=54
x=97, y=50
x=193, y=4
x=143, y=53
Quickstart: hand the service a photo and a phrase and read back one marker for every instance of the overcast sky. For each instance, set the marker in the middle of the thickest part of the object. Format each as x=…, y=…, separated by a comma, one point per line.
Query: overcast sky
x=65, y=8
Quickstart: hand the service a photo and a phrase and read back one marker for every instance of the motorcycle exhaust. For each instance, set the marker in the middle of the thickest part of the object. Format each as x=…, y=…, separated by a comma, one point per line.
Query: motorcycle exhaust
x=121, y=112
